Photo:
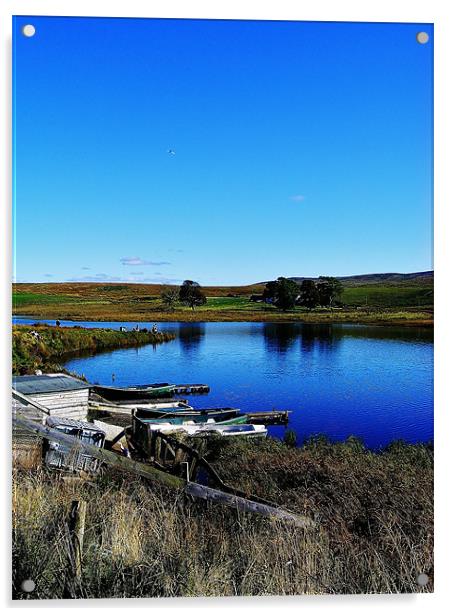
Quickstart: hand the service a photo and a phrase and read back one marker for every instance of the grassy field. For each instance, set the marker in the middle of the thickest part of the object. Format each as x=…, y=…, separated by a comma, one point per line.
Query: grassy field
x=374, y=534
x=401, y=303
x=388, y=296
x=42, y=347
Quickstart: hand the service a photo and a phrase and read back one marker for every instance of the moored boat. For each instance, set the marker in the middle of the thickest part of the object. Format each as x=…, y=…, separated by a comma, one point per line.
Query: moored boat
x=187, y=414
x=209, y=428
x=184, y=420
x=154, y=390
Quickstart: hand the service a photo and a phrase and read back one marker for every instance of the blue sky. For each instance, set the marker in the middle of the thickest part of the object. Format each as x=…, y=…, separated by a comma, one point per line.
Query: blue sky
x=301, y=149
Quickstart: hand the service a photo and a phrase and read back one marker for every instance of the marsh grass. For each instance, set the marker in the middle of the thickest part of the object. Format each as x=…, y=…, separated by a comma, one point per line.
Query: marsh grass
x=374, y=533
x=54, y=343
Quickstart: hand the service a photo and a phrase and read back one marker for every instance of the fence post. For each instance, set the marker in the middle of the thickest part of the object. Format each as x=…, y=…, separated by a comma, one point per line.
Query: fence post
x=77, y=531
x=76, y=526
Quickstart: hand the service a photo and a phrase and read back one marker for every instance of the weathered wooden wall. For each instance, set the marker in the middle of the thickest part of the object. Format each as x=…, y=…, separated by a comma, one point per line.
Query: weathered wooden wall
x=70, y=404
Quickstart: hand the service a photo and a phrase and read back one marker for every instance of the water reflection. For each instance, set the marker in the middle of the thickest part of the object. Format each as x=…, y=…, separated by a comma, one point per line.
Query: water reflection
x=323, y=337
x=322, y=332
x=280, y=337
x=191, y=335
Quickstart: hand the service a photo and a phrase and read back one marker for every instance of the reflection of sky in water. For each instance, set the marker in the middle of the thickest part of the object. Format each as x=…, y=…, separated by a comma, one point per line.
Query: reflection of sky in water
x=373, y=382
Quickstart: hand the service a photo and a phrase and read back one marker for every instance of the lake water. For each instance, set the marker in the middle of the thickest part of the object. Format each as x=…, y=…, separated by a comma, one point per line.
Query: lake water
x=372, y=382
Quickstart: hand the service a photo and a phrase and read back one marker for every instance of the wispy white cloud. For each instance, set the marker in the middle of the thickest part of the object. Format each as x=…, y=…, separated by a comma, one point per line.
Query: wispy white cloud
x=96, y=278
x=162, y=280
x=297, y=198
x=134, y=278
x=139, y=261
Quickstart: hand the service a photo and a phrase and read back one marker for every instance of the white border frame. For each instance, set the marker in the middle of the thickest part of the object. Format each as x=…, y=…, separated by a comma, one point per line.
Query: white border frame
x=434, y=11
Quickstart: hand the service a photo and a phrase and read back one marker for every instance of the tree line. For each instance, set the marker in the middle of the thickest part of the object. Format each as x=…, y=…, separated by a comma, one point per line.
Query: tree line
x=286, y=294
x=282, y=293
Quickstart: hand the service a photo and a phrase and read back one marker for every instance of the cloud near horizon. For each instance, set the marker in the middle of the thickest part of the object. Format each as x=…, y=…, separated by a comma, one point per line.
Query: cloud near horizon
x=101, y=277
x=139, y=261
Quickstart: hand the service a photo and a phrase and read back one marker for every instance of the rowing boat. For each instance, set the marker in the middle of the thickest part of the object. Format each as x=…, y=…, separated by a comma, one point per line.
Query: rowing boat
x=186, y=413
x=154, y=390
x=184, y=420
x=209, y=429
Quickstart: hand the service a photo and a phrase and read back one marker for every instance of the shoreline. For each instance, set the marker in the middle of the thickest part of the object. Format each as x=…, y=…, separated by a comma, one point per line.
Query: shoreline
x=199, y=317
x=47, y=347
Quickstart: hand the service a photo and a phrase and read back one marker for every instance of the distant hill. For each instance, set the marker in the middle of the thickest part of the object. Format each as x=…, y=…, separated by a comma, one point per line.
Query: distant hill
x=415, y=278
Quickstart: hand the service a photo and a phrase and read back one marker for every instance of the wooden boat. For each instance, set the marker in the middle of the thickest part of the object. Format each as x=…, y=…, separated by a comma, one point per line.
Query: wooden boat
x=154, y=390
x=186, y=413
x=183, y=420
x=208, y=428
x=175, y=405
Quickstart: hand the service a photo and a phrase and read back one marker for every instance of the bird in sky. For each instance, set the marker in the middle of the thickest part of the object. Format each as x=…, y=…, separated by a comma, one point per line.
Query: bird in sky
x=172, y=152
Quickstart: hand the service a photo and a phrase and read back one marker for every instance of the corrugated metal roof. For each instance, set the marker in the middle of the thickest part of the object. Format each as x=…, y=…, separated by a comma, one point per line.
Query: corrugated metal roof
x=55, y=422
x=45, y=383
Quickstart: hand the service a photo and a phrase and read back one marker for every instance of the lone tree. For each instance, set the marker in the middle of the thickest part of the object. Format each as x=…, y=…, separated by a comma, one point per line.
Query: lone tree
x=309, y=294
x=190, y=294
x=169, y=297
x=330, y=289
x=283, y=292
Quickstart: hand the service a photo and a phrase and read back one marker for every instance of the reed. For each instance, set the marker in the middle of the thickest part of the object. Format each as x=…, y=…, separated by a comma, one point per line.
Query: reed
x=374, y=512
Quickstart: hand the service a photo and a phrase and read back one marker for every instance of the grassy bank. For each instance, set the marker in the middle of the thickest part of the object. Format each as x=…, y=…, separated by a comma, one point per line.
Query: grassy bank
x=400, y=304
x=43, y=347
x=374, y=514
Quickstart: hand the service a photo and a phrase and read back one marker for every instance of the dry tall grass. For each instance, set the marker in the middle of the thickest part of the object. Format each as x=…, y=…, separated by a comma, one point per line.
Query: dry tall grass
x=375, y=532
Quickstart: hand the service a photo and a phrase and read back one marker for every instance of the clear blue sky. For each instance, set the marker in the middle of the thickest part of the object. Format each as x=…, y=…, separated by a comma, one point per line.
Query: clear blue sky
x=301, y=149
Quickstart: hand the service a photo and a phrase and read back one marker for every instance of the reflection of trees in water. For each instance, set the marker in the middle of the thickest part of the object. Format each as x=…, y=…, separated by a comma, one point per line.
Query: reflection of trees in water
x=191, y=335
x=280, y=336
x=324, y=337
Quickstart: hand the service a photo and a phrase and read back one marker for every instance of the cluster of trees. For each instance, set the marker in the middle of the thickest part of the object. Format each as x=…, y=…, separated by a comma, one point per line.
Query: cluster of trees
x=286, y=294
x=188, y=294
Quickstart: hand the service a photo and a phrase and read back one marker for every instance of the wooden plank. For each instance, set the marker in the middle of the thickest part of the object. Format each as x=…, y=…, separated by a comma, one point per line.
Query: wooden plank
x=243, y=504
x=27, y=400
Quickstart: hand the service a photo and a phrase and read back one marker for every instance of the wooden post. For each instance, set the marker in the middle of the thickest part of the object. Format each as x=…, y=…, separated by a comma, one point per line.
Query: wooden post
x=77, y=533
x=76, y=528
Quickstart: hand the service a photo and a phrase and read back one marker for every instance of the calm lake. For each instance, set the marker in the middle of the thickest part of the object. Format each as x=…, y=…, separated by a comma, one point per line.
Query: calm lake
x=372, y=382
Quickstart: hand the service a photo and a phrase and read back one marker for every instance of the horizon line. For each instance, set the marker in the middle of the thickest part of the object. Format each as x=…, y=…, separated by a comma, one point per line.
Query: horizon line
x=261, y=282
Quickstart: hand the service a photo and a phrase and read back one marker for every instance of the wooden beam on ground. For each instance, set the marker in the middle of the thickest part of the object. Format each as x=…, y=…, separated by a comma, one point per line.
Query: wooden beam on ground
x=244, y=504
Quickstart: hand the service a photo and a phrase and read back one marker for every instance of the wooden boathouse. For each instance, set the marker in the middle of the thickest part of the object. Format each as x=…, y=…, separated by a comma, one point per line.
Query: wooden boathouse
x=62, y=395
